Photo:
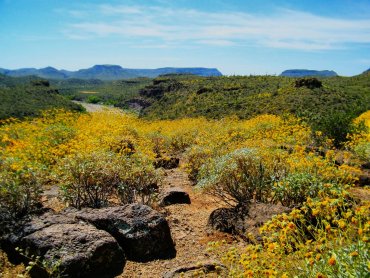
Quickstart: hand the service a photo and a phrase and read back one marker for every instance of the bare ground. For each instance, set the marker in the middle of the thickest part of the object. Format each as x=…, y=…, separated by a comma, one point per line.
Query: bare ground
x=92, y=107
x=188, y=225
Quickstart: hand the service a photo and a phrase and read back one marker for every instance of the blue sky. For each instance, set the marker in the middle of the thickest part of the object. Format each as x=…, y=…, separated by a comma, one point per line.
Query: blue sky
x=235, y=36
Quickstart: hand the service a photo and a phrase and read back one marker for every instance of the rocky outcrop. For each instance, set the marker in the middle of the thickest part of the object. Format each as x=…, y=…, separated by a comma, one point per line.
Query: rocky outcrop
x=142, y=232
x=75, y=250
x=242, y=220
x=65, y=244
x=310, y=83
x=159, y=88
x=363, y=179
x=174, y=195
x=225, y=220
x=88, y=242
x=14, y=230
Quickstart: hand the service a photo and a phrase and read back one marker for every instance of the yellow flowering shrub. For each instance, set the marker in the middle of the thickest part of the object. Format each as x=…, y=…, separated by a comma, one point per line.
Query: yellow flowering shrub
x=112, y=153
x=359, y=142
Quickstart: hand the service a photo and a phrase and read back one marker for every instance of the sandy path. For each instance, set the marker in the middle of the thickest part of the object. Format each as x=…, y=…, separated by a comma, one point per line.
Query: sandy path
x=188, y=229
x=90, y=107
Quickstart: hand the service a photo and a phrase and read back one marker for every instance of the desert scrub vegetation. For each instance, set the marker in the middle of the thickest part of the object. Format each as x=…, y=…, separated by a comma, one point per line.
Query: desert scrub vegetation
x=328, y=109
x=359, y=140
x=108, y=157
x=326, y=237
x=20, y=99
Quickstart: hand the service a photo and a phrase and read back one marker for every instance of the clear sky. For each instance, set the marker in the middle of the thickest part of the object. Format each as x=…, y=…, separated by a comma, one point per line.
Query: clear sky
x=235, y=36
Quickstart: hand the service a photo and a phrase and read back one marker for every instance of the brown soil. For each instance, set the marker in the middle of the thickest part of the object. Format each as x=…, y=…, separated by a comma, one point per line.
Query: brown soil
x=188, y=225
x=361, y=194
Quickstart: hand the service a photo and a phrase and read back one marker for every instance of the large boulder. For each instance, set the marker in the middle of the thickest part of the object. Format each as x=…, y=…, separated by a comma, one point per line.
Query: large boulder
x=225, y=220
x=244, y=219
x=13, y=230
x=142, y=232
x=65, y=244
x=75, y=250
x=174, y=195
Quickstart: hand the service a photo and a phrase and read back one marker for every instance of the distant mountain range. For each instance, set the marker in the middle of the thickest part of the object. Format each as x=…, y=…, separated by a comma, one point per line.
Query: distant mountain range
x=305, y=72
x=107, y=72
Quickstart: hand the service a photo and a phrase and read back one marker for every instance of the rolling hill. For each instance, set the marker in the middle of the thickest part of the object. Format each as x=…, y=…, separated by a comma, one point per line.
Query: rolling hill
x=107, y=72
x=27, y=97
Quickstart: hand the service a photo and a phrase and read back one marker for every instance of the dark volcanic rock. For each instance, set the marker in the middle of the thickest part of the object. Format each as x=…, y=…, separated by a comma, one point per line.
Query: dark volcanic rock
x=76, y=250
x=364, y=179
x=310, y=83
x=159, y=88
x=226, y=220
x=174, y=195
x=142, y=232
x=241, y=220
x=170, y=163
x=68, y=244
x=366, y=165
x=14, y=230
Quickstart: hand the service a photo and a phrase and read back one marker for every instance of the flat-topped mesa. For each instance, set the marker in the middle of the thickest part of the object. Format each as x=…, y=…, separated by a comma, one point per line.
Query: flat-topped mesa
x=305, y=73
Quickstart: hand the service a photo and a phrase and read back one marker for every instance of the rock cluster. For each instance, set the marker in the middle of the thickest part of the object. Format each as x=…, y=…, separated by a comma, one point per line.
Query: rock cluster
x=89, y=242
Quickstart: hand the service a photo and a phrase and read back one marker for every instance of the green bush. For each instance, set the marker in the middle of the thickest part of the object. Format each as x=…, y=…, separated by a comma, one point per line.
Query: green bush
x=237, y=178
x=89, y=180
x=139, y=183
x=294, y=189
x=93, y=99
x=335, y=125
x=92, y=180
x=348, y=261
x=20, y=188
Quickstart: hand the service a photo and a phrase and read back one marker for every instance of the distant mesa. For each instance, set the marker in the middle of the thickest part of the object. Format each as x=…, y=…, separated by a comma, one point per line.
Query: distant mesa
x=107, y=72
x=305, y=73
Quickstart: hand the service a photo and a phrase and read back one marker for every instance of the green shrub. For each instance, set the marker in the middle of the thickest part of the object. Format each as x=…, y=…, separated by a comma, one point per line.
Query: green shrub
x=93, y=99
x=294, y=189
x=92, y=180
x=139, y=183
x=196, y=156
x=89, y=180
x=335, y=125
x=237, y=178
x=348, y=261
x=20, y=188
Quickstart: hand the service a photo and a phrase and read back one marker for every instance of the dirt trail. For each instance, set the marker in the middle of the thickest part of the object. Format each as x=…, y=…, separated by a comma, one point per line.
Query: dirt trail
x=188, y=229
x=90, y=107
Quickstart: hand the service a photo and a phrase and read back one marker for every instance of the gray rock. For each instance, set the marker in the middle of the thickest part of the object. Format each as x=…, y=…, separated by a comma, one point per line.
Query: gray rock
x=208, y=268
x=242, y=220
x=75, y=250
x=174, y=195
x=14, y=230
x=67, y=244
x=142, y=232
